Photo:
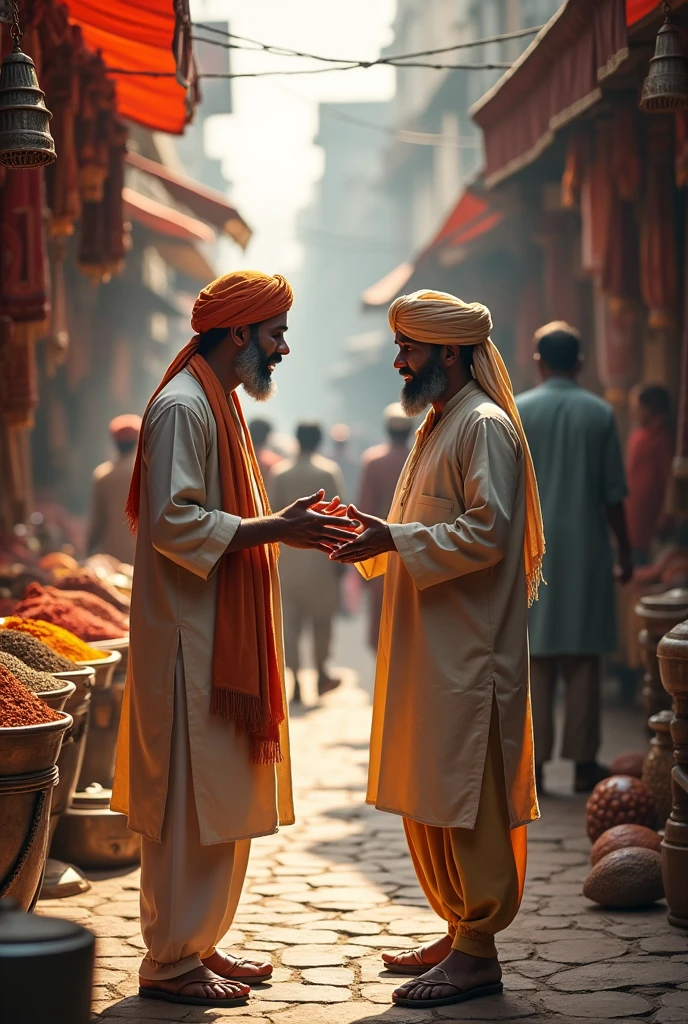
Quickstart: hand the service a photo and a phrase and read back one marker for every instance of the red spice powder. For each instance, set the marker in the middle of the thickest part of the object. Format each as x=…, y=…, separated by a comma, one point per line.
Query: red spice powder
x=39, y=603
x=18, y=706
x=86, y=580
x=90, y=603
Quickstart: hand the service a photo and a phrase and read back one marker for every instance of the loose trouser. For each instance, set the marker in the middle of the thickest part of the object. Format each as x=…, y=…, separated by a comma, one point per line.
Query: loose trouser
x=189, y=892
x=473, y=878
x=296, y=616
x=582, y=680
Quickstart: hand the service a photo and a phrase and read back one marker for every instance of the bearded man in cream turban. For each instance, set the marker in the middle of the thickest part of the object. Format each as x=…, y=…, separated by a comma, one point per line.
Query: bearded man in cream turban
x=461, y=553
x=203, y=749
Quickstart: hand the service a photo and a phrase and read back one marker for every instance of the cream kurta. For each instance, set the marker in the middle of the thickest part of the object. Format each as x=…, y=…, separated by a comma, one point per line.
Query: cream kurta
x=454, y=624
x=182, y=535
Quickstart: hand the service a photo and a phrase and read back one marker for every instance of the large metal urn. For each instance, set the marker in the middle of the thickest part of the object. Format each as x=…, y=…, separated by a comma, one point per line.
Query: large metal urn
x=28, y=773
x=46, y=968
x=106, y=703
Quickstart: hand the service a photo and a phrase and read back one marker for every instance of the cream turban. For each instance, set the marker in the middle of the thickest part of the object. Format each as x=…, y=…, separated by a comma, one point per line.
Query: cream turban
x=438, y=318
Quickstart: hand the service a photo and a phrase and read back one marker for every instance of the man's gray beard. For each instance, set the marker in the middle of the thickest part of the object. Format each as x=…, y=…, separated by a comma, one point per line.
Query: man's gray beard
x=251, y=368
x=426, y=387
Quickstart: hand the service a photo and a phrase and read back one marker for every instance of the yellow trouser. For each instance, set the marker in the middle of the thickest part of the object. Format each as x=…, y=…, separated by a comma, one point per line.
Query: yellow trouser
x=473, y=878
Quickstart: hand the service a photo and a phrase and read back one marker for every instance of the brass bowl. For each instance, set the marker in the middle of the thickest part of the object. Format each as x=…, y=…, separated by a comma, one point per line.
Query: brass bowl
x=32, y=748
x=56, y=699
x=104, y=668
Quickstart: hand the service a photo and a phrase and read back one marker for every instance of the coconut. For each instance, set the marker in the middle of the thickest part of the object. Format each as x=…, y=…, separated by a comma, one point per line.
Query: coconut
x=621, y=836
x=631, y=877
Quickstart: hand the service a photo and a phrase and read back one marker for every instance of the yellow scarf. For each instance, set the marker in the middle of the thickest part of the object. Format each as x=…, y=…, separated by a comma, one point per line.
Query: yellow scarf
x=438, y=318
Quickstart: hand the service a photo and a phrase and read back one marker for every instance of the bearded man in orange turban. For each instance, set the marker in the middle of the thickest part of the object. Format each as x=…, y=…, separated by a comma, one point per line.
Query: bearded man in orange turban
x=203, y=751
x=461, y=553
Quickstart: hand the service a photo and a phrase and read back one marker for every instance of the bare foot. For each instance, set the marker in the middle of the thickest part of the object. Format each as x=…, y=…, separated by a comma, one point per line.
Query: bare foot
x=199, y=983
x=458, y=972
x=416, y=960
x=234, y=969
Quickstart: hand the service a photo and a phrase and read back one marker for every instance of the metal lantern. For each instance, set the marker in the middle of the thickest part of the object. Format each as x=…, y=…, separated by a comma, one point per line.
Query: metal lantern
x=666, y=86
x=25, y=139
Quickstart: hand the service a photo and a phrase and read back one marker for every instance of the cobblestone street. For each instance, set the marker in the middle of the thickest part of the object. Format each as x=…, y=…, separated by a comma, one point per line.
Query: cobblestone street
x=324, y=897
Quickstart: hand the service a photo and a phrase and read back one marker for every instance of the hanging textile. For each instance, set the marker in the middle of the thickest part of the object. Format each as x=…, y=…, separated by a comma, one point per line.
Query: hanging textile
x=658, y=252
x=595, y=202
x=577, y=161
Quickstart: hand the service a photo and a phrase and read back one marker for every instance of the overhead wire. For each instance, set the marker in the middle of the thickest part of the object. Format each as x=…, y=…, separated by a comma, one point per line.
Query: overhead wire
x=404, y=60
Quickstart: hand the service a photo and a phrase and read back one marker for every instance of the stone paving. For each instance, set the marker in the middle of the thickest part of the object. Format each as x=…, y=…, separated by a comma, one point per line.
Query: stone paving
x=324, y=897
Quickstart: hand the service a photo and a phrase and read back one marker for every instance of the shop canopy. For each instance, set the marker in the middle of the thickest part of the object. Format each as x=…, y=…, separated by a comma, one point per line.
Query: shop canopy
x=138, y=36
x=557, y=78
x=471, y=218
x=206, y=203
x=163, y=220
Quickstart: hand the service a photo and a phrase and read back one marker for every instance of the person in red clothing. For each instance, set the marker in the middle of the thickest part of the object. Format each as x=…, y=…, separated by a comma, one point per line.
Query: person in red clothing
x=649, y=453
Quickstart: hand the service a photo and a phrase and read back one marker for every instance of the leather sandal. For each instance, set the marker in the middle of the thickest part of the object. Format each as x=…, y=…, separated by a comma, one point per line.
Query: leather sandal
x=438, y=976
x=418, y=968
x=199, y=975
x=229, y=974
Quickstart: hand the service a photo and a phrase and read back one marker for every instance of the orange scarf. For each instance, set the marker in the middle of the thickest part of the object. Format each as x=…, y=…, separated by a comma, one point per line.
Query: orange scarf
x=246, y=681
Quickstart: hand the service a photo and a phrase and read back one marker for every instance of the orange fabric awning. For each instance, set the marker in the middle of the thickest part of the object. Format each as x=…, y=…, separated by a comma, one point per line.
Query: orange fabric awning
x=208, y=204
x=136, y=36
x=471, y=218
x=163, y=220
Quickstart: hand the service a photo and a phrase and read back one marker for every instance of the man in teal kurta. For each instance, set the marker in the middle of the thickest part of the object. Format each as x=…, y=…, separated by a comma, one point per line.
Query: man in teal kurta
x=579, y=467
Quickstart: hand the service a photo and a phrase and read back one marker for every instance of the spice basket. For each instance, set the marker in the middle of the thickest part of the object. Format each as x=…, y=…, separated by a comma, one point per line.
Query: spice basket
x=28, y=773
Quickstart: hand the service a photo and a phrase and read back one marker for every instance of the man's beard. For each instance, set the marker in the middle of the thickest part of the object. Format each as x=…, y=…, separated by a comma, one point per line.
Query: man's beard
x=252, y=367
x=425, y=387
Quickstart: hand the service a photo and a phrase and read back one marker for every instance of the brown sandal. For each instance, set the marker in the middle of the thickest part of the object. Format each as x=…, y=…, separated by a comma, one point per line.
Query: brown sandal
x=255, y=979
x=199, y=975
x=419, y=967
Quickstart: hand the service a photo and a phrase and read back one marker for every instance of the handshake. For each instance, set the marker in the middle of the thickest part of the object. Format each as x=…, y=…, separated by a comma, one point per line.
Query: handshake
x=346, y=534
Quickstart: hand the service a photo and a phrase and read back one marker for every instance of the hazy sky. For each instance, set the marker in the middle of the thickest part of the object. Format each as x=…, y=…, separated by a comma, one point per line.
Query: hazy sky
x=266, y=144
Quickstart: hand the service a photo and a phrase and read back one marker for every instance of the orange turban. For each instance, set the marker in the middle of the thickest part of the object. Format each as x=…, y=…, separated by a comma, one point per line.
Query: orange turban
x=244, y=297
x=125, y=428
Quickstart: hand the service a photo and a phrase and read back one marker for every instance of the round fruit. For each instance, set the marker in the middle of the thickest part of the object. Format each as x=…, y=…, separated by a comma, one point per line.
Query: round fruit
x=628, y=764
x=619, y=800
x=626, y=878
x=622, y=836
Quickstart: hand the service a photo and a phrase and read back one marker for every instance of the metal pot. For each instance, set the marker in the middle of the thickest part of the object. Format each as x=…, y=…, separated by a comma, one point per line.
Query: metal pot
x=46, y=968
x=121, y=645
x=73, y=749
x=106, y=704
x=91, y=835
x=56, y=699
x=28, y=773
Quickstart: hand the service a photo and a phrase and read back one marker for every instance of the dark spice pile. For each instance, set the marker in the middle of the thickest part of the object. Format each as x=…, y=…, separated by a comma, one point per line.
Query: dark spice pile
x=85, y=580
x=39, y=603
x=18, y=706
x=37, y=682
x=33, y=652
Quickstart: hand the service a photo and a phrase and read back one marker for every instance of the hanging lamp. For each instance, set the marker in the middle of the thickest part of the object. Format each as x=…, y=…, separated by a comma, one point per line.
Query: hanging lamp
x=666, y=86
x=25, y=139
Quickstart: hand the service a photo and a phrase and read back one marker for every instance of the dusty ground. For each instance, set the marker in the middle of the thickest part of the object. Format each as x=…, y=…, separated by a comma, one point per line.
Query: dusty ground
x=324, y=897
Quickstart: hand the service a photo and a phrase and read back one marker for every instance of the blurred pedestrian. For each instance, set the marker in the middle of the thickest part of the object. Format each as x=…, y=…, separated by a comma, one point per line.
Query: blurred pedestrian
x=309, y=578
x=451, y=740
x=577, y=456
x=109, y=532
x=381, y=468
x=340, y=436
x=649, y=453
x=260, y=431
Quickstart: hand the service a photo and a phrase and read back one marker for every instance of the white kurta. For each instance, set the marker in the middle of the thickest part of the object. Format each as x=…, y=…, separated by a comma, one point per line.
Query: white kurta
x=183, y=534
x=454, y=624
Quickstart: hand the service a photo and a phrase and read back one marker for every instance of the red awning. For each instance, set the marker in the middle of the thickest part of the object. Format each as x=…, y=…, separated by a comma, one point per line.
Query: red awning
x=638, y=9
x=472, y=217
x=554, y=81
x=137, y=36
x=163, y=220
x=209, y=205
